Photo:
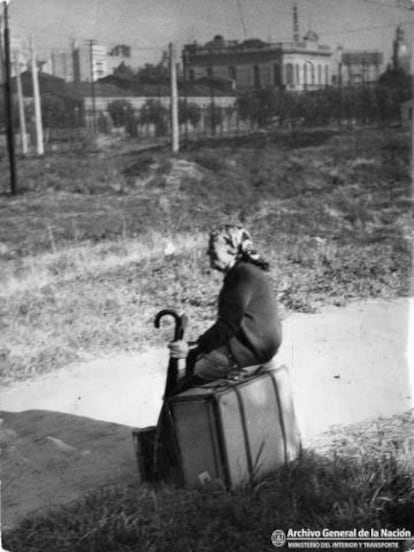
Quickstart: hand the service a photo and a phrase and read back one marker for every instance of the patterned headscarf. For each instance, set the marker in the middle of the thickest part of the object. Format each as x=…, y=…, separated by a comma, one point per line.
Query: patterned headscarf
x=239, y=239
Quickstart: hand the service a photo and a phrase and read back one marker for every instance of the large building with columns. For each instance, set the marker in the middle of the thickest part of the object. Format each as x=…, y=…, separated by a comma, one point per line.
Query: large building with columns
x=296, y=66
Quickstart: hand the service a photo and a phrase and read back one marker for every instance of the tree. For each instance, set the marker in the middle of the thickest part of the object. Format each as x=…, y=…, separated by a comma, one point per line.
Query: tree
x=387, y=106
x=120, y=111
x=124, y=72
x=190, y=112
x=260, y=105
x=397, y=80
x=58, y=110
x=153, y=112
x=153, y=74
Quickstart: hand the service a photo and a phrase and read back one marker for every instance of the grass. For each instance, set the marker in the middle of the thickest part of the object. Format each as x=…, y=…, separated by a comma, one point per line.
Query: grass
x=98, y=243
x=361, y=477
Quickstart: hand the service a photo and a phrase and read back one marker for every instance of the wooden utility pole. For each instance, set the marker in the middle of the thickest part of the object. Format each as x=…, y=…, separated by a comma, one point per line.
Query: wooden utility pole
x=92, y=73
x=22, y=116
x=40, y=150
x=8, y=103
x=185, y=60
x=2, y=62
x=212, y=95
x=412, y=107
x=174, y=101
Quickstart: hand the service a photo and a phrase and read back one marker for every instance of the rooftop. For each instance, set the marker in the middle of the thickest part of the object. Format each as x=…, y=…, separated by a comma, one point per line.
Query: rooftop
x=219, y=45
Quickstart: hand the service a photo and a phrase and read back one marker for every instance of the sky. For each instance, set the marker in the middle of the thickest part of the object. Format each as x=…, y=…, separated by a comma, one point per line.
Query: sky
x=149, y=25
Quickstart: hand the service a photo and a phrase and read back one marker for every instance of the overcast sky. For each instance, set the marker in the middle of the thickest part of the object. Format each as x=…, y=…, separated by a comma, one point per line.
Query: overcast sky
x=149, y=25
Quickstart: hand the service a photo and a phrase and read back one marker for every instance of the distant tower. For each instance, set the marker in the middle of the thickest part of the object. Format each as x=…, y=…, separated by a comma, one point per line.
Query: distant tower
x=296, y=36
x=400, y=51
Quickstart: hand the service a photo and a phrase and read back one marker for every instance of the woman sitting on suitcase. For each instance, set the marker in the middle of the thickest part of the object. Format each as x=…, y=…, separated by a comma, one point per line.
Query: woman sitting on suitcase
x=248, y=330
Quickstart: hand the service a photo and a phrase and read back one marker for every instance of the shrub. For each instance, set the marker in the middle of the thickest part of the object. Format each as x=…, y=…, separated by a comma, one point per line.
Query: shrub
x=153, y=112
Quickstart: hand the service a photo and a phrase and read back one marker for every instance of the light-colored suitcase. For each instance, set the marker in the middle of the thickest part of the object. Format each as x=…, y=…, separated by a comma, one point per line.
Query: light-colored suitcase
x=236, y=432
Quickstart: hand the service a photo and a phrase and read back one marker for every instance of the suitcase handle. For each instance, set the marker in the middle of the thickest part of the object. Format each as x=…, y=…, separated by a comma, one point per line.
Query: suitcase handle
x=225, y=382
x=236, y=377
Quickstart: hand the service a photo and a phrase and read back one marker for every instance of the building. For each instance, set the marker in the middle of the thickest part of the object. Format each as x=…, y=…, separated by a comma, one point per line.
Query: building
x=106, y=93
x=89, y=62
x=19, y=56
x=359, y=67
x=251, y=64
x=79, y=62
x=61, y=65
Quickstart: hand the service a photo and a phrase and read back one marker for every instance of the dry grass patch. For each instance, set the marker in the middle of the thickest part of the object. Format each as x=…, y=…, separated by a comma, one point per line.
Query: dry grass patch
x=356, y=478
x=85, y=269
x=36, y=271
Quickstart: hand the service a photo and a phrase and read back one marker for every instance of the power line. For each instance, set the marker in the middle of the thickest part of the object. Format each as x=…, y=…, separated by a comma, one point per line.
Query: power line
x=144, y=48
x=382, y=5
x=239, y=8
x=370, y=28
x=71, y=36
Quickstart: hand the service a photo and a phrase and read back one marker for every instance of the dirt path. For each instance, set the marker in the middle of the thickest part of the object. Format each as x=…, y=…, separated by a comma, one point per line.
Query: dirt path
x=66, y=433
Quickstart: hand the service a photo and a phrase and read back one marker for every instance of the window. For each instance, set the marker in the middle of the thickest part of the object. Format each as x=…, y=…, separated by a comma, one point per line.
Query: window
x=289, y=74
x=210, y=72
x=297, y=74
x=305, y=74
x=327, y=75
x=277, y=77
x=232, y=72
x=256, y=72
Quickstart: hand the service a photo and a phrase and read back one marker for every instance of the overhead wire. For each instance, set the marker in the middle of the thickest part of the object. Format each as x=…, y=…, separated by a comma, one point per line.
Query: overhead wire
x=384, y=5
x=370, y=28
x=70, y=36
x=239, y=8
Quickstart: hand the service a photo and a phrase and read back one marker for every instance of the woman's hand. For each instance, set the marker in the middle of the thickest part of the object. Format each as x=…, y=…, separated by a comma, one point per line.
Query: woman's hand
x=179, y=349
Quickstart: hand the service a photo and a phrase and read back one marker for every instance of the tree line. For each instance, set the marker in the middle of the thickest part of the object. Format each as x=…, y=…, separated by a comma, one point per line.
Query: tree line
x=377, y=103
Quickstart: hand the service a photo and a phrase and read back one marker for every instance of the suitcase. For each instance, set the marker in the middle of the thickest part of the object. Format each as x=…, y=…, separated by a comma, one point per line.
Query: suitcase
x=236, y=432
x=144, y=441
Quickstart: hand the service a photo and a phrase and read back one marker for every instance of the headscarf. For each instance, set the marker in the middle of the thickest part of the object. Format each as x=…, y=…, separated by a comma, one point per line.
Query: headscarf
x=241, y=243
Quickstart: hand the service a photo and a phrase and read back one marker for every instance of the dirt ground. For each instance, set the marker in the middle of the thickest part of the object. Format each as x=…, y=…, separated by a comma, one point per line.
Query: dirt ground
x=70, y=432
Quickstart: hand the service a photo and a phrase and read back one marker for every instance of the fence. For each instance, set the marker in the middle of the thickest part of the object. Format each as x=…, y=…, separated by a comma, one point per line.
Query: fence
x=252, y=111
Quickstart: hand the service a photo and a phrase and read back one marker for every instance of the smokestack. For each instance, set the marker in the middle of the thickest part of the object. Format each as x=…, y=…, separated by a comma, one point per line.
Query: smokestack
x=296, y=36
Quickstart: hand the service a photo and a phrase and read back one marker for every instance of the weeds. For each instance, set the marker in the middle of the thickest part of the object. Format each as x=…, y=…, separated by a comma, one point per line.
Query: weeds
x=85, y=268
x=322, y=214
x=346, y=485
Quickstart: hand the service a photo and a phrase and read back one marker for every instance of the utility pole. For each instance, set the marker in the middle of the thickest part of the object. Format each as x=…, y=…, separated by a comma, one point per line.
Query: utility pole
x=37, y=106
x=340, y=83
x=2, y=63
x=185, y=61
x=91, y=59
x=8, y=102
x=212, y=98
x=22, y=117
x=412, y=107
x=174, y=101
x=409, y=5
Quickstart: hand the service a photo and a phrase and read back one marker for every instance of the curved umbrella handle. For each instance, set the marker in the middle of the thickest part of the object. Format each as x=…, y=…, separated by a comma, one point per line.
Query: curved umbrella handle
x=180, y=322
